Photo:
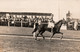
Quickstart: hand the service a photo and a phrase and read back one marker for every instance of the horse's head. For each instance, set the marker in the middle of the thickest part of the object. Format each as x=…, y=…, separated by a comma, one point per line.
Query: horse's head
x=63, y=21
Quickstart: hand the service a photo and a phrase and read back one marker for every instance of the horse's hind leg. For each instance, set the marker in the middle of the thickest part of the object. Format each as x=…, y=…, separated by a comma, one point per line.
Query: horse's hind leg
x=34, y=30
x=42, y=34
x=37, y=35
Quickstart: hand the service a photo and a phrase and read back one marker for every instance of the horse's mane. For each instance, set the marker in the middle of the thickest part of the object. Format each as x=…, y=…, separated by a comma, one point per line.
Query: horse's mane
x=58, y=22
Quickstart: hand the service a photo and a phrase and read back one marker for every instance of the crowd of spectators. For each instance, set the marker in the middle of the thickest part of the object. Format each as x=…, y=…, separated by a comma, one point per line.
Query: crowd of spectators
x=4, y=19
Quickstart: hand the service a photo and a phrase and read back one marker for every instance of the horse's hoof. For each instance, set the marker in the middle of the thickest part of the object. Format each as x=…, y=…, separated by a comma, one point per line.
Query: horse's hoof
x=39, y=40
x=61, y=37
x=43, y=38
x=35, y=38
x=32, y=32
x=50, y=38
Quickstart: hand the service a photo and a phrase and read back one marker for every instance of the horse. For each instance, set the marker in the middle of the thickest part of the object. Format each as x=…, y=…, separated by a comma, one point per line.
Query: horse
x=44, y=27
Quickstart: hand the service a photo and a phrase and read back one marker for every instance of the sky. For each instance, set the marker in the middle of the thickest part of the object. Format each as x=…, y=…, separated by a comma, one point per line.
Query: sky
x=58, y=7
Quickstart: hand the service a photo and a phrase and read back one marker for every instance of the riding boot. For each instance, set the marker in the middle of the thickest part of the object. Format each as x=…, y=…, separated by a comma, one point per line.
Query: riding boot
x=51, y=29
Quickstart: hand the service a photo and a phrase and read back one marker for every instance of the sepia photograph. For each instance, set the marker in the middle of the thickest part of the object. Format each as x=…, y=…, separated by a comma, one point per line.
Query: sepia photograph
x=39, y=25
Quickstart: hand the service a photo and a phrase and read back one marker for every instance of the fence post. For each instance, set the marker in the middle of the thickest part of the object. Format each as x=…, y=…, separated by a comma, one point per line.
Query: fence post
x=8, y=22
x=8, y=18
x=34, y=35
x=21, y=24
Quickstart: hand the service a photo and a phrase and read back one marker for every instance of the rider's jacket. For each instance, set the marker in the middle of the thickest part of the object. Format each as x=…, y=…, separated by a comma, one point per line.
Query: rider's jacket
x=51, y=24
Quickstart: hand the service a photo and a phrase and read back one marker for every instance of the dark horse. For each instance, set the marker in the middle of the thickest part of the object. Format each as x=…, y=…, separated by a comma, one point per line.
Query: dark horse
x=44, y=27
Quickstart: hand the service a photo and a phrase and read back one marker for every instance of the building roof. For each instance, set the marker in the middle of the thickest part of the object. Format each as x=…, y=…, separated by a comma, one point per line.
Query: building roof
x=28, y=13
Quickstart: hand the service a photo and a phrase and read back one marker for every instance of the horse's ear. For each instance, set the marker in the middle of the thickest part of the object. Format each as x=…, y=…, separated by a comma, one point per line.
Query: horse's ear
x=63, y=19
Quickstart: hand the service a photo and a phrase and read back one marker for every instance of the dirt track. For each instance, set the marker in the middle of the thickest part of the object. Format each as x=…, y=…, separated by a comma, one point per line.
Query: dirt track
x=23, y=31
x=24, y=44
x=17, y=42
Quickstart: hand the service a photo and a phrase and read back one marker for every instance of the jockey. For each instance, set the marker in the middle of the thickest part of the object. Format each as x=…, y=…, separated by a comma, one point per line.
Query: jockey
x=51, y=24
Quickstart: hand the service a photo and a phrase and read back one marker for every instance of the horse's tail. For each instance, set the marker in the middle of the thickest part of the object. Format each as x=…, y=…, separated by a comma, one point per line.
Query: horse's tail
x=35, y=28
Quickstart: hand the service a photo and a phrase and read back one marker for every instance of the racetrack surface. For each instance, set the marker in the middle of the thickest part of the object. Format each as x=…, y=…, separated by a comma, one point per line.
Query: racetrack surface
x=20, y=40
x=24, y=31
x=24, y=44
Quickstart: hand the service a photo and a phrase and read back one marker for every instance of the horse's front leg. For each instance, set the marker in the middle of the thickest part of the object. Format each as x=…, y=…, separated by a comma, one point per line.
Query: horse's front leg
x=61, y=34
x=52, y=35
